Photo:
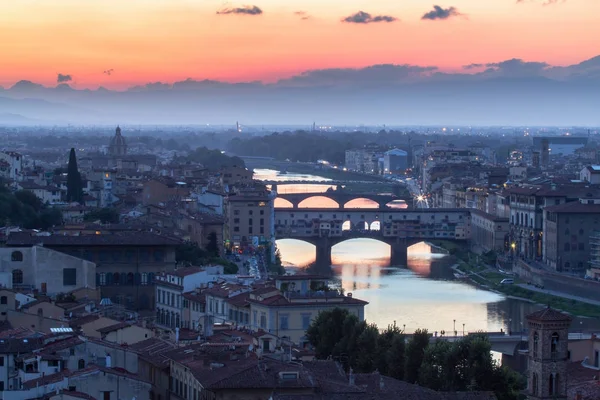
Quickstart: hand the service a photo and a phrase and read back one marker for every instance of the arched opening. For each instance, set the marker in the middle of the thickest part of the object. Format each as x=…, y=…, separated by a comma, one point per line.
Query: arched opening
x=130, y=279
x=362, y=226
x=282, y=203
x=17, y=277
x=551, y=387
x=16, y=256
x=116, y=278
x=361, y=203
x=375, y=226
x=296, y=252
x=347, y=226
x=534, y=384
x=346, y=253
x=554, y=344
x=318, y=202
x=398, y=204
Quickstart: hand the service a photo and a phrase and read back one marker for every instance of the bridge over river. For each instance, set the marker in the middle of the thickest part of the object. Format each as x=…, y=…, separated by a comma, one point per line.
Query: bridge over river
x=400, y=228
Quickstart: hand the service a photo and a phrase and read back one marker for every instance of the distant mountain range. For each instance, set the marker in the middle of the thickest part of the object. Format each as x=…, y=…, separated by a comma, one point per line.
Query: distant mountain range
x=512, y=92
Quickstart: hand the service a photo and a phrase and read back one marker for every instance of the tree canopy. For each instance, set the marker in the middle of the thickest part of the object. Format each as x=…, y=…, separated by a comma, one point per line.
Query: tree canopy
x=463, y=365
x=214, y=159
x=192, y=254
x=104, y=215
x=74, y=185
x=25, y=209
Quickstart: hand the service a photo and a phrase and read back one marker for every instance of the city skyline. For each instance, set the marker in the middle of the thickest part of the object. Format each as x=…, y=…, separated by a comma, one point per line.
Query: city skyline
x=122, y=45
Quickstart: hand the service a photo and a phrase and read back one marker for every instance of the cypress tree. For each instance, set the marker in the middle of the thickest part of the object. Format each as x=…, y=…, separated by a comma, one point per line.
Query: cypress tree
x=74, y=187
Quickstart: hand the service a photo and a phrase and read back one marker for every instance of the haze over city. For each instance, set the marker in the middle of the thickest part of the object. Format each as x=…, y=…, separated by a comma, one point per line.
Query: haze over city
x=498, y=62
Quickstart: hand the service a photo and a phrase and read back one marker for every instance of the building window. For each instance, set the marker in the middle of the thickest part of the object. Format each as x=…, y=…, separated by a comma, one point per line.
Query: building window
x=16, y=256
x=536, y=341
x=144, y=278
x=17, y=277
x=116, y=278
x=551, y=385
x=534, y=384
x=581, y=246
x=305, y=321
x=262, y=221
x=81, y=364
x=554, y=343
x=69, y=276
x=3, y=300
x=102, y=279
x=250, y=221
x=283, y=322
x=263, y=320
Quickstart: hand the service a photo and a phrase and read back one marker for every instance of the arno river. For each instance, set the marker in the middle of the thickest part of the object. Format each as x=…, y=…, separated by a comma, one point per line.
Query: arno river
x=423, y=294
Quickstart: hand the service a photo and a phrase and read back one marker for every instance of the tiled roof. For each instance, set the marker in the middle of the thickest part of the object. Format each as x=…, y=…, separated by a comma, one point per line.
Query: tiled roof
x=79, y=322
x=582, y=380
x=113, y=328
x=548, y=314
x=11, y=346
x=241, y=300
x=185, y=271
x=194, y=296
x=575, y=207
x=78, y=395
x=125, y=238
x=46, y=380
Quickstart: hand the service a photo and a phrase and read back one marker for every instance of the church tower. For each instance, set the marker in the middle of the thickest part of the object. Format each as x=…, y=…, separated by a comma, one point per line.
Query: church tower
x=117, y=146
x=548, y=354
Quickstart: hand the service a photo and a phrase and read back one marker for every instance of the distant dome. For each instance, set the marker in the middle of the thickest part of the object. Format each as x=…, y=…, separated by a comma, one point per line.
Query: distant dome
x=117, y=146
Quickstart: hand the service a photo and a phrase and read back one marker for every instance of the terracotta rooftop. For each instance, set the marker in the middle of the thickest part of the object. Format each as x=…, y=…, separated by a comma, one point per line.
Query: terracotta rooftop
x=582, y=380
x=195, y=296
x=126, y=238
x=549, y=314
x=185, y=271
x=113, y=328
x=575, y=207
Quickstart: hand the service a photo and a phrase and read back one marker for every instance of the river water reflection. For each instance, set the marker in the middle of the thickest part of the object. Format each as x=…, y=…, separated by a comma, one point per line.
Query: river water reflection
x=423, y=294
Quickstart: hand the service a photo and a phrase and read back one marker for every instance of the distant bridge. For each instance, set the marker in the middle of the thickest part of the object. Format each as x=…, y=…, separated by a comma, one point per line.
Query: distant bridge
x=328, y=182
x=340, y=197
x=400, y=228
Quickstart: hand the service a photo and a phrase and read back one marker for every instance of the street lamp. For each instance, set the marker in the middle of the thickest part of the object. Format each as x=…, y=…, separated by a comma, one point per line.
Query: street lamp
x=454, y=327
x=463, y=329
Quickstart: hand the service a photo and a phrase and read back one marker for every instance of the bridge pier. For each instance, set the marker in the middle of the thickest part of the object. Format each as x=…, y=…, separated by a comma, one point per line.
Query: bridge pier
x=399, y=253
x=323, y=252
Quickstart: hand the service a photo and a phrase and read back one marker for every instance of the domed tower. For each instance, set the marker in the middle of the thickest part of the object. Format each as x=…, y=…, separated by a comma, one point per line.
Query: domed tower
x=117, y=146
x=548, y=354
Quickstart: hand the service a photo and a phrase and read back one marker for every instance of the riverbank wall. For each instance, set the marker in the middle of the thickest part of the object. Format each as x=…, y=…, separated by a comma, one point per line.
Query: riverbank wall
x=554, y=281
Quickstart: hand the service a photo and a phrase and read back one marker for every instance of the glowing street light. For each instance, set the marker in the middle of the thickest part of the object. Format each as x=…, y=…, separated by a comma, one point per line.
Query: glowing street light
x=420, y=197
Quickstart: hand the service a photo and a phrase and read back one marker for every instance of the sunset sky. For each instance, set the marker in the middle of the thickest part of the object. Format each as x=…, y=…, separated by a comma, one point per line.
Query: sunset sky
x=119, y=43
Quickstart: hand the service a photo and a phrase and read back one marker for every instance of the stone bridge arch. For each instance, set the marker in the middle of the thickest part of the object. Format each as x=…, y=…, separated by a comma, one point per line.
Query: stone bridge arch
x=351, y=203
x=332, y=203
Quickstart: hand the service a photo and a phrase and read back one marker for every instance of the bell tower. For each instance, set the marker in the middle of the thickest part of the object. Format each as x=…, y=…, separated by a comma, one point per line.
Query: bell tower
x=548, y=354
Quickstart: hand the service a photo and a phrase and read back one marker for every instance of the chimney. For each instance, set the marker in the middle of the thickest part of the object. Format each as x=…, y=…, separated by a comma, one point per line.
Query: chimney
x=351, y=377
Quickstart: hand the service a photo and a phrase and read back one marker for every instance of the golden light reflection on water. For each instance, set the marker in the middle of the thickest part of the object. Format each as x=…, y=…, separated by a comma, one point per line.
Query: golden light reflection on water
x=401, y=294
